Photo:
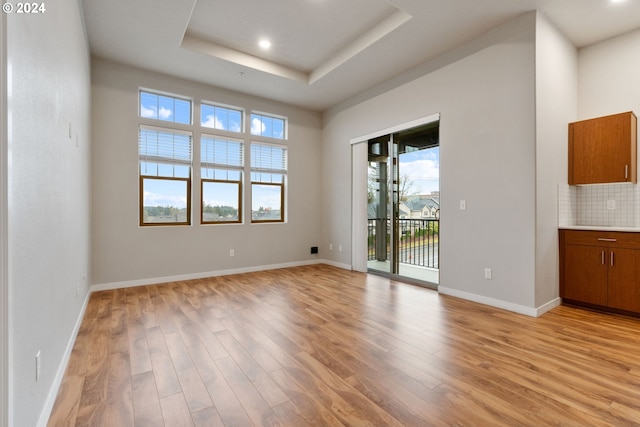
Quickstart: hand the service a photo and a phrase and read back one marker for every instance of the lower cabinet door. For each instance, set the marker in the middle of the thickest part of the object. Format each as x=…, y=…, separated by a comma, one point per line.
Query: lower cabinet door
x=585, y=273
x=623, y=289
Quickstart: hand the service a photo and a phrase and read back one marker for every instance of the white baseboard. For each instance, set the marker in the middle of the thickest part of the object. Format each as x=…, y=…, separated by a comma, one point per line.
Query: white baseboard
x=205, y=274
x=516, y=308
x=548, y=306
x=337, y=264
x=57, y=380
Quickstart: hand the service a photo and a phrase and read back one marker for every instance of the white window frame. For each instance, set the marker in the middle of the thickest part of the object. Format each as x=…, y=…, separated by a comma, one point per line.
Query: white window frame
x=222, y=166
x=270, y=171
x=164, y=160
x=226, y=107
x=285, y=125
x=168, y=95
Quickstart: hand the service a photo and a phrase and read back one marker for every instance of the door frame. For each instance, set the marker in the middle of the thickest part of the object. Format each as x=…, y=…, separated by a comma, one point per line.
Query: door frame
x=359, y=187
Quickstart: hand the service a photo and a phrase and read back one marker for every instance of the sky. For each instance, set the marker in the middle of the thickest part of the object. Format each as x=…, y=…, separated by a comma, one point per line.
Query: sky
x=423, y=169
x=165, y=193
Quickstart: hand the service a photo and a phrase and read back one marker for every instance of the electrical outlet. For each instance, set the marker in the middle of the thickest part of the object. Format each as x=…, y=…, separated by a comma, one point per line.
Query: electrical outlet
x=232, y=252
x=38, y=365
x=487, y=273
x=339, y=248
x=611, y=204
x=330, y=246
x=463, y=205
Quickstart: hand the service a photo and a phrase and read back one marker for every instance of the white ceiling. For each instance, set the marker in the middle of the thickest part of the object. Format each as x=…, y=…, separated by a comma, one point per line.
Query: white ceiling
x=323, y=51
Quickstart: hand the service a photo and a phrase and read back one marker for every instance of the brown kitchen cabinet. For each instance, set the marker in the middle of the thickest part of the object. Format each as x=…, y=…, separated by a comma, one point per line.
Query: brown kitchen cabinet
x=603, y=150
x=600, y=269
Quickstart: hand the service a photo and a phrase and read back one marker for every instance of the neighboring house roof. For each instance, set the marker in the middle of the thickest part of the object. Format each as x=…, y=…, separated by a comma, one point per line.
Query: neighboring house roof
x=418, y=203
x=412, y=204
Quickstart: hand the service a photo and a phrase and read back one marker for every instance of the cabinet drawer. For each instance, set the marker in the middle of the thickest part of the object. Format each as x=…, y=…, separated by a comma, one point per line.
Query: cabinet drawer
x=613, y=239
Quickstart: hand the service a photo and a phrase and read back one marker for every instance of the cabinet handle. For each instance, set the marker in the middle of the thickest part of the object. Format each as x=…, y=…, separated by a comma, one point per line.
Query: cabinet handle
x=602, y=257
x=611, y=258
x=602, y=239
x=626, y=171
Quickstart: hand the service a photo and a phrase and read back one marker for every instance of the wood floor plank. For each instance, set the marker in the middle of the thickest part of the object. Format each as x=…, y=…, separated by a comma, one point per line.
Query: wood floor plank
x=193, y=389
x=207, y=337
x=208, y=417
x=317, y=345
x=162, y=310
x=313, y=410
x=175, y=411
x=360, y=409
x=248, y=364
x=146, y=403
x=258, y=410
x=289, y=416
x=65, y=409
x=92, y=416
x=137, y=338
x=269, y=390
x=95, y=386
x=119, y=404
x=147, y=309
x=248, y=343
x=228, y=405
x=167, y=382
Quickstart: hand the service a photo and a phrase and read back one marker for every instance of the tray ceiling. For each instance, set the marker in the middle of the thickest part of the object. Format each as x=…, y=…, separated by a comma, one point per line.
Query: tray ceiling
x=323, y=51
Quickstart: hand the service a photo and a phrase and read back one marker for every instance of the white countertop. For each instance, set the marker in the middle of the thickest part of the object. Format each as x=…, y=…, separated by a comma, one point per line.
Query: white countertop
x=599, y=228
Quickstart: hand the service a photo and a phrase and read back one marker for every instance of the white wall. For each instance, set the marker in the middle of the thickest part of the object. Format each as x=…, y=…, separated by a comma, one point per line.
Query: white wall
x=4, y=256
x=608, y=77
x=124, y=253
x=485, y=93
x=48, y=198
x=556, y=106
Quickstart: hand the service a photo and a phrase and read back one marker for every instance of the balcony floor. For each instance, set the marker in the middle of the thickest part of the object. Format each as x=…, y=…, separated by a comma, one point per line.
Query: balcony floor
x=424, y=274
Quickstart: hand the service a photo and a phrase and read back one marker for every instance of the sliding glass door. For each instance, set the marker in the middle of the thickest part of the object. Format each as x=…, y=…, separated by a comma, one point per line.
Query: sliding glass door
x=403, y=202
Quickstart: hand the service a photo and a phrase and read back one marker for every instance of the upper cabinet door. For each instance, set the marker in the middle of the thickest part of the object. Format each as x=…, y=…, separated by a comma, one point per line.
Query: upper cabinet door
x=603, y=150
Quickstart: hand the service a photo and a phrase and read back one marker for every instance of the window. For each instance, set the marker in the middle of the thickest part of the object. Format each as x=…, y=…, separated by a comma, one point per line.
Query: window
x=268, y=177
x=165, y=176
x=218, y=117
x=269, y=126
x=165, y=162
x=165, y=107
x=222, y=161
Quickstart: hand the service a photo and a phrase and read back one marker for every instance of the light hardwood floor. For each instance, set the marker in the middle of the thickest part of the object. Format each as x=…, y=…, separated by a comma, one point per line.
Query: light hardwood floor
x=321, y=346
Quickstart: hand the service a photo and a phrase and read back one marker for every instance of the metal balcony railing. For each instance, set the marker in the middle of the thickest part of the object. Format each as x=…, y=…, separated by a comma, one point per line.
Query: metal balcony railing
x=418, y=242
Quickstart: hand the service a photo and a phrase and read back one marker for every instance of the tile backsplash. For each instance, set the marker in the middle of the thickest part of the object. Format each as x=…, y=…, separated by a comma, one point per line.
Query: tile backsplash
x=611, y=205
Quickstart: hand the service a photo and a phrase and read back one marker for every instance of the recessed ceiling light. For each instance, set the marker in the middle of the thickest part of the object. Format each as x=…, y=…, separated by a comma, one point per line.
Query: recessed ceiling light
x=264, y=43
